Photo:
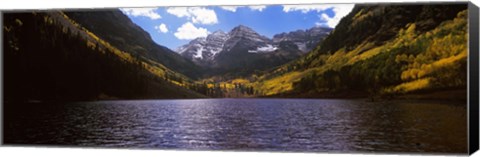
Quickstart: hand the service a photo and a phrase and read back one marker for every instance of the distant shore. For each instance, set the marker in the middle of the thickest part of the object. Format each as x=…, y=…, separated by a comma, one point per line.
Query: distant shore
x=451, y=95
x=458, y=95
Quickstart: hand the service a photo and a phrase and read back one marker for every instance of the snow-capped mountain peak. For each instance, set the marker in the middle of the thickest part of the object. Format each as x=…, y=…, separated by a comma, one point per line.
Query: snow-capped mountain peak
x=245, y=36
x=215, y=41
x=243, y=39
x=304, y=39
x=204, y=49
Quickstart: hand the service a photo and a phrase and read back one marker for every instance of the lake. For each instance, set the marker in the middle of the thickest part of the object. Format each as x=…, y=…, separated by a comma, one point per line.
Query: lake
x=305, y=125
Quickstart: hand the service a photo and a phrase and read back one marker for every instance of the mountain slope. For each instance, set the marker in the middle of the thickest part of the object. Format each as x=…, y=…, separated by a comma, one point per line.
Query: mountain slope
x=49, y=58
x=305, y=40
x=245, y=37
x=369, y=54
x=204, y=50
x=246, y=52
x=378, y=24
x=117, y=29
x=243, y=51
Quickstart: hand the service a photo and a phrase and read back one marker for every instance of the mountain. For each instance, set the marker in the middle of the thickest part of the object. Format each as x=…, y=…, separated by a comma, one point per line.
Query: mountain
x=203, y=50
x=129, y=37
x=381, y=50
x=305, y=40
x=375, y=51
x=244, y=51
x=243, y=37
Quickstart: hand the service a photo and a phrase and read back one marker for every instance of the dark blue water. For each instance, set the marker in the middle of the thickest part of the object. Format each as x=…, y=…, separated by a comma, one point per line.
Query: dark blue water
x=309, y=125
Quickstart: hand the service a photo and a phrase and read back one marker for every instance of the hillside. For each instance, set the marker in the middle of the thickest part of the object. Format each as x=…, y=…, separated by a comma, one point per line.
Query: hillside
x=127, y=36
x=51, y=58
x=387, y=50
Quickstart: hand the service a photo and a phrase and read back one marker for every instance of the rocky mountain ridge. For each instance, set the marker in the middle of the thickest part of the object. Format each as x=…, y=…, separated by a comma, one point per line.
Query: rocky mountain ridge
x=205, y=50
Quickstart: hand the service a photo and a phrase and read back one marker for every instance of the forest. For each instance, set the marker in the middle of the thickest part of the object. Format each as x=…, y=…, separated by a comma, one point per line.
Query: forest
x=49, y=62
x=422, y=56
x=48, y=56
x=434, y=60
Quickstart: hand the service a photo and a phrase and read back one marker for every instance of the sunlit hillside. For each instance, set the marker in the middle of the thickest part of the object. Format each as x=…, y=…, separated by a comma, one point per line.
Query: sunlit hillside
x=414, y=60
x=418, y=56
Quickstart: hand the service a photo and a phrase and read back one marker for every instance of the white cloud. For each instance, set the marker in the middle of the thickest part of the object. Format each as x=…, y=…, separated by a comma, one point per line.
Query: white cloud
x=257, y=7
x=147, y=12
x=230, y=8
x=178, y=11
x=203, y=16
x=188, y=31
x=162, y=28
x=339, y=11
x=306, y=8
x=198, y=15
x=253, y=8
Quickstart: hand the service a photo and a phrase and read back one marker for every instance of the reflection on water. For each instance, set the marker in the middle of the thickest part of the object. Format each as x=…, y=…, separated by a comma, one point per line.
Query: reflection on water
x=312, y=125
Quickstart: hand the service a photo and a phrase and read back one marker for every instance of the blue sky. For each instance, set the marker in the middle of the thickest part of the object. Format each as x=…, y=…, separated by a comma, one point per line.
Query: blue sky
x=175, y=26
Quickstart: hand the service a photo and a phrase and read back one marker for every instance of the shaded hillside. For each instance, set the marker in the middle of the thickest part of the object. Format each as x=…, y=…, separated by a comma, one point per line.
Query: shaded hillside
x=117, y=29
x=381, y=50
x=47, y=58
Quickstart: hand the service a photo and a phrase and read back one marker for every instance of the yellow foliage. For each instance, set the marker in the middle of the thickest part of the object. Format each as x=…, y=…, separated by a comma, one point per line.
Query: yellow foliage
x=279, y=84
x=361, y=15
x=358, y=14
x=442, y=51
x=240, y=80
x=411, y=86
x=177, y=83
x=405, y=37
x=90, y=44
x=210, y=85
x=92, y=35
x=365, y=55
x=153, y=67
x=401, y=58
x=410, y=32
x=228, y=85
x=336, y=60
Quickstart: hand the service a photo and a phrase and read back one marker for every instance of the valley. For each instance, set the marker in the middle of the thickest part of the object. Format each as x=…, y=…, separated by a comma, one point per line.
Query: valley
x=323, y=78
x=376, y=52
x=403, y=58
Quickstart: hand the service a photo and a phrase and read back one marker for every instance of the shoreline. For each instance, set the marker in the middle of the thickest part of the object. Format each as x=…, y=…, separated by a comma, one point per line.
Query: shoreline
x=452, y=95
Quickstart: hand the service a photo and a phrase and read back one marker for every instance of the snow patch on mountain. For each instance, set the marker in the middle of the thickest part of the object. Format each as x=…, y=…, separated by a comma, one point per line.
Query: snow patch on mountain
x=215, y=51
x=204, y=48
x=242, y=39
x=302, y=46
x=199, y=53
x=267, y=48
